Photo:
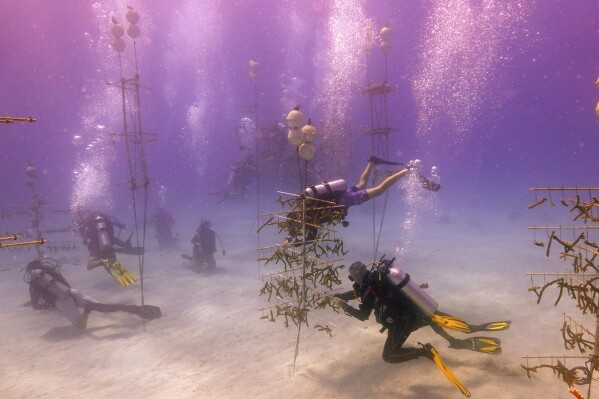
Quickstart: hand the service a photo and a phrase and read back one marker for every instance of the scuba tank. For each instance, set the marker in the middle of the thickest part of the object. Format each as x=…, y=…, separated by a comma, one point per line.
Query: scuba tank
x=104, y=238
x=334, y=187
x=45, y=280
x=411, y=289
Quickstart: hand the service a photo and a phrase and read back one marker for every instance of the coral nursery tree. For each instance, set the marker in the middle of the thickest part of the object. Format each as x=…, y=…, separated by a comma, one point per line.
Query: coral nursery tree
x=578, y=246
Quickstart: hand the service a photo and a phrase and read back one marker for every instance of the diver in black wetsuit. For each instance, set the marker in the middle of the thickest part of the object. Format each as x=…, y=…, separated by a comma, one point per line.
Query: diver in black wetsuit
x=48, y=289
x=395, y=312
x=163, y=222
x=401, y=307
x=204, y=245
x=97, y=233
x=401, y=314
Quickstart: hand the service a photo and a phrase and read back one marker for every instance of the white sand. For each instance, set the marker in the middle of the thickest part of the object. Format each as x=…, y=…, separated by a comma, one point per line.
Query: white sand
x=211, y=343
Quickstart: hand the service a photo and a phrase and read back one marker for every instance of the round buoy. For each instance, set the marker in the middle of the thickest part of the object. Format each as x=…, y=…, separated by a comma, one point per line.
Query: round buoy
x=307, y=151
x=309, y=132
x=118, y=44
x=133, y=31
x=117, y=30
x=385, y=45
x=385, y=33
x=295, y=137
x=295, y=118
x=254, y=65
x=31, y=171
x=132, y=16
x=253, y=76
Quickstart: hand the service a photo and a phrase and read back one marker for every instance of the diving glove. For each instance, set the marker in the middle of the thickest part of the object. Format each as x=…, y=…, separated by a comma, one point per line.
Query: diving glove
x=122, y=276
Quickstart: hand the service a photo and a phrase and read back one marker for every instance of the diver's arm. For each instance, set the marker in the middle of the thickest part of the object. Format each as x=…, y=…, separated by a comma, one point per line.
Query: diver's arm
x=346, y=296
x=360, y=314
x=365, y=308
x=36, y=299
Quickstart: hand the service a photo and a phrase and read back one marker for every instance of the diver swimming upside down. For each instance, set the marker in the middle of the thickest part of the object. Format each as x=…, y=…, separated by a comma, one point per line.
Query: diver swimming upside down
x=338, y=195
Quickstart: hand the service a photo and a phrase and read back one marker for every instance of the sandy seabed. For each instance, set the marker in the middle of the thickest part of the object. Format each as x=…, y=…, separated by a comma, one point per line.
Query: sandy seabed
x=211, y=342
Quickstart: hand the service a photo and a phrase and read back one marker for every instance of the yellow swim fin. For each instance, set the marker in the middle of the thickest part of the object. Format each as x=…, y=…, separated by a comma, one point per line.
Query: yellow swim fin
x=488, y=345
x=492, y=326
x=451, y=322
x=434, y=356
x=122, y=276
x=455, y=323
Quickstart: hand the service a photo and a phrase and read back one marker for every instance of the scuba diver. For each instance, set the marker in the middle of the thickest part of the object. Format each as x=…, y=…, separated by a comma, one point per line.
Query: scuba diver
x=337, y=194
x=163, y=223
x=239, y=179
x=337, y=191
x=401, y=306
x=97, y=232
x=48, y=290
x=204, y=246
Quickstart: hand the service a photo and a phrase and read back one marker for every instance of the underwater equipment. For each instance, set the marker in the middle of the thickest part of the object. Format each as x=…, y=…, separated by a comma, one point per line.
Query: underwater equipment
x=432, y=354
x=46, y=280
x=455, y=323
x=428, y=184
x=146, y=312
x=121, y=275
x=357, y=272
x=381, y=161
x=410, y=289
x=11, y=119
x=104, y=239
x=334, y=187
x=488, y=345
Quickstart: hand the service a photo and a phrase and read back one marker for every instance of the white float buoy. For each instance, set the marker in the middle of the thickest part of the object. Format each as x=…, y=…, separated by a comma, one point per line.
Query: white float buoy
x=385, y=46
x=117, y=30
x=253, y=65
x=295, y=137
x=309, y=132
x=133, y=31
x=307, y=151
x=118, y=44
x=385, y=33
x=132, y=15
x=295, y=118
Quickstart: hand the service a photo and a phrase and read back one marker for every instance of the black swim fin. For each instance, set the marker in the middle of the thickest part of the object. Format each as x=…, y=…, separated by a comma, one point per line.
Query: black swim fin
x=380, y=161
x=147, y=312
x=488, y=345
x=428, y=184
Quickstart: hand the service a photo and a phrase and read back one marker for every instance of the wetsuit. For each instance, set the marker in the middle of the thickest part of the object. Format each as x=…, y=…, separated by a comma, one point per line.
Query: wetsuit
x=97, y=231
x=48, y=289
x=395, y=312
x=204, y=246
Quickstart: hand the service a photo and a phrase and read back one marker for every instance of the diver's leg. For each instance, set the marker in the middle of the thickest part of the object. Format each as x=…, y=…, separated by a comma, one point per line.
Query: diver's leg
x=68, y=308
x=211, y=261
x=439, y=330
x=397, y=335
x=364, y=176
x=148, y=312
x=386, y=184
x=105, y=307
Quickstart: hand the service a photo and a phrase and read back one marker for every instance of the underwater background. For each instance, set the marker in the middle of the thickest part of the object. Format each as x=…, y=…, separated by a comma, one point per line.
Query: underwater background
x=500, y=96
